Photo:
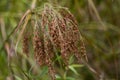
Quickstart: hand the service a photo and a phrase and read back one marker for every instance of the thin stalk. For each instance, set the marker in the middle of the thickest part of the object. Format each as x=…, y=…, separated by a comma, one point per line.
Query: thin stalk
x=90, y=2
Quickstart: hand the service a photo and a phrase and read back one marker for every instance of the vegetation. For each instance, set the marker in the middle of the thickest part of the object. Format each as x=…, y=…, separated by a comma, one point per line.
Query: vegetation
x=59, y=40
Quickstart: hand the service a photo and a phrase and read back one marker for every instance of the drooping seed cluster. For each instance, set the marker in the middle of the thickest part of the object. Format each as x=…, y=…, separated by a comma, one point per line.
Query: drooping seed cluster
x=56, y=30
x=26, y=44
x=38, y=47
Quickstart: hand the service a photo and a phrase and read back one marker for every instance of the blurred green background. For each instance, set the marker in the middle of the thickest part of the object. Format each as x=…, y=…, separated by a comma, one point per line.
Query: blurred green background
x=99, y=23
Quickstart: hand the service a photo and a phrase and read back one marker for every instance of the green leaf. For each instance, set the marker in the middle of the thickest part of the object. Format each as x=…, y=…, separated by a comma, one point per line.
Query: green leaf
x=17, y=77
x=57, y=76
x=73, y=66
x=77, y=65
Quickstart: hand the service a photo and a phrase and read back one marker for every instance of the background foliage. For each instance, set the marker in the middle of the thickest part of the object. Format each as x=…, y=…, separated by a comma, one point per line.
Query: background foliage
x=99, y=24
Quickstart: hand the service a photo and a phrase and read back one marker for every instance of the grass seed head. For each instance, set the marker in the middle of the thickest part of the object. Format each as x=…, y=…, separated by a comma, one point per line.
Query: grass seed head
x=55, y=29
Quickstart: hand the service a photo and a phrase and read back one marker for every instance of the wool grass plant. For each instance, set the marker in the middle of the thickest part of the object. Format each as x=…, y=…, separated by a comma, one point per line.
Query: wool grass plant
x=54, y=30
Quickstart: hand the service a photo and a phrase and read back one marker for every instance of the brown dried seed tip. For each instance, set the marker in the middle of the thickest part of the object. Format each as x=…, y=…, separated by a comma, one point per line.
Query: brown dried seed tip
x=83, y=51
x=26, y=45
x=51, y=69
